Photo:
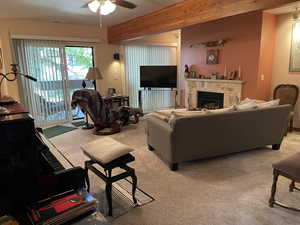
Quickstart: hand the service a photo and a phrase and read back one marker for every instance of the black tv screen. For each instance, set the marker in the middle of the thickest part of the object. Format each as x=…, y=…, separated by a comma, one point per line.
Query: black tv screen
x=158, y=76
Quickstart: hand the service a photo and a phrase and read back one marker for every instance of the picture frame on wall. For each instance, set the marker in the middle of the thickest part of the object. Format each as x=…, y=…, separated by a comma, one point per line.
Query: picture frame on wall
x=212, y=56
x=294, y=65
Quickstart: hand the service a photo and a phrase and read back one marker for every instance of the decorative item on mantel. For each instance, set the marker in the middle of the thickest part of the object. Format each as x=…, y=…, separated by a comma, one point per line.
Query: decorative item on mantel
x=240, y=73
x=214, y=75
x=233, y=75
x=186, y=71
x=225, y=72
x=189, y=74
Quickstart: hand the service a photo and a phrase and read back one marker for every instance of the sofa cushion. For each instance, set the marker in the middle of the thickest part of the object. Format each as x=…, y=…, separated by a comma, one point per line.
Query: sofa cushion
x=268, y=104
x=180, y=114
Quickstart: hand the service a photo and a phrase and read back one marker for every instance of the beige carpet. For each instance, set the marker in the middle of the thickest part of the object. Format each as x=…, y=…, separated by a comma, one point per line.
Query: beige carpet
x=230, y=190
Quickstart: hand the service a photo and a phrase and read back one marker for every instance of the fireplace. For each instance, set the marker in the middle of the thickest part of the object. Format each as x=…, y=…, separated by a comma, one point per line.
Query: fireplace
x=210, y=100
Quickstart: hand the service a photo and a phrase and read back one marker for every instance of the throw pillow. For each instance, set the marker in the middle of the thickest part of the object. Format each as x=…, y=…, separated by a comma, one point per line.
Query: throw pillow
x=268, y=104
x=229, y=109
x=249, y=100
x=179, y=114
x=246, y=106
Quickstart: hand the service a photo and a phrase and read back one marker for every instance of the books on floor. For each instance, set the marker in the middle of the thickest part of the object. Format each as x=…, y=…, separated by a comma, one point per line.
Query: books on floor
x=62, y=208
x=8, y=220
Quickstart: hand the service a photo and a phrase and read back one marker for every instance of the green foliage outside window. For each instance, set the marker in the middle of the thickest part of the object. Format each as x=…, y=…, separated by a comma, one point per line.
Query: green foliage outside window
x=80, y=56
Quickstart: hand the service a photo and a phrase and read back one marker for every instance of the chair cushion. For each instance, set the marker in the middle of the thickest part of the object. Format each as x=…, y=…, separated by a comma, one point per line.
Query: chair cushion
x=105, y=150
x=290, y=166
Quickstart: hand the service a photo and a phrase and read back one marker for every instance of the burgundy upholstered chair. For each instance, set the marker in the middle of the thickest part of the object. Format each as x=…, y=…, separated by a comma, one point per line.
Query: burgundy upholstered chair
x=289, y=168
x=288, y=94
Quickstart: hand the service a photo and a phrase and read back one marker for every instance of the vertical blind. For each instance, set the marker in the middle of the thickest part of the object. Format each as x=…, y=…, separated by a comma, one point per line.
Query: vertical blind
x=44, y=60
x=136, y=56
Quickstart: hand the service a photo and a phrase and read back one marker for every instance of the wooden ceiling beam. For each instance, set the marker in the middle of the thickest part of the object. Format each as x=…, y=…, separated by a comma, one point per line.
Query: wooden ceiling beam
x=186, y=13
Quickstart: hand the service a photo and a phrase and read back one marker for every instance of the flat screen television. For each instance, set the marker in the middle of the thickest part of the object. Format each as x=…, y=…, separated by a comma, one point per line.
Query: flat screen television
x=158, y=76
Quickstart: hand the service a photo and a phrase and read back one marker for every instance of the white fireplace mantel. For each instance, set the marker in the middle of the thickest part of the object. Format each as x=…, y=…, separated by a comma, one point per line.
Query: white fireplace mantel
x=232, y=90
x=217, y=81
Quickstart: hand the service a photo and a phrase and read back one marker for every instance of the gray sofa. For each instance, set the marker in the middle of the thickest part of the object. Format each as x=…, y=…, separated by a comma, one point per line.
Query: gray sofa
x=205, y=136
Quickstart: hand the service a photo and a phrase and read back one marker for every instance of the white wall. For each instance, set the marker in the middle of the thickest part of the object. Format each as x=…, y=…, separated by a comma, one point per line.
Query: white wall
x=281, y=74
x=111, y=69
x=172, y=38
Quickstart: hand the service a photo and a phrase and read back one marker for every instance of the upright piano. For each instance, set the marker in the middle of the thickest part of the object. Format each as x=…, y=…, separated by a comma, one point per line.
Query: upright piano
x=31, y=167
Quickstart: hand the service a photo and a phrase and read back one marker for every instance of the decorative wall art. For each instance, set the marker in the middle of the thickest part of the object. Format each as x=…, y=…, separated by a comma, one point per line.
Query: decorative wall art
x=212, y=56
x=295, y=49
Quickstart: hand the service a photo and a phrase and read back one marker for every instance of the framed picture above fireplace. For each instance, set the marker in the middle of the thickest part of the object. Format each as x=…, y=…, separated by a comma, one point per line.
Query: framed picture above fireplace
x=212, y=56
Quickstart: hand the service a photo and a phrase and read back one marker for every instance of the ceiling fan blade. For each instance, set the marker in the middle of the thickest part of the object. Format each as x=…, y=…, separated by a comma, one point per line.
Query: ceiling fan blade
x=86, y=5
x=125, y=4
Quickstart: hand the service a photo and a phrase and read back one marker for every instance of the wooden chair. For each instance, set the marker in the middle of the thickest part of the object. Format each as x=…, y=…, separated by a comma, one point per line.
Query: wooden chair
x=288, y=94
x=289, y=168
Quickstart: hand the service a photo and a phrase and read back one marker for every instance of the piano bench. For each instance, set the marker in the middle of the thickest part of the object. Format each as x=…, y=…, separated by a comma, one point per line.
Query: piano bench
x=115, y=155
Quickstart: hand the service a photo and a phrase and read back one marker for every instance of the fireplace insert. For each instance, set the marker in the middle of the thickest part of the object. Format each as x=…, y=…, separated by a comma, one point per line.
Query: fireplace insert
x=210, y=100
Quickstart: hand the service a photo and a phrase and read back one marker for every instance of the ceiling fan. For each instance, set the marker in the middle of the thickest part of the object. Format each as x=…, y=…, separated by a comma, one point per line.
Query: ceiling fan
x=105, y=7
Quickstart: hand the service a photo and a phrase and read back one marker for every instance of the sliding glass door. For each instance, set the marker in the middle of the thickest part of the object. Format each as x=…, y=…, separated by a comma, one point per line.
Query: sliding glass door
x=59, y=71
x=79, y=59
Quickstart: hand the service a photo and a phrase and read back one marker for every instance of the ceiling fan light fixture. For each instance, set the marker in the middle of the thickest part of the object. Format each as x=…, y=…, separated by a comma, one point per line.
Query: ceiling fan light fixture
x=94, y=6
x=107, y=8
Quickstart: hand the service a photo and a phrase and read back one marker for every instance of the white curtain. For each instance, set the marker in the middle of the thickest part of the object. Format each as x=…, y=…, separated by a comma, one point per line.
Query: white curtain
x=46, y=98
x=136, y=56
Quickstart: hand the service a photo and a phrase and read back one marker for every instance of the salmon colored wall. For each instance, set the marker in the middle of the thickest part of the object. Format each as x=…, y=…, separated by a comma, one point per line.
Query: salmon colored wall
x=268, y=36
x=243, y=47
x=281, y=74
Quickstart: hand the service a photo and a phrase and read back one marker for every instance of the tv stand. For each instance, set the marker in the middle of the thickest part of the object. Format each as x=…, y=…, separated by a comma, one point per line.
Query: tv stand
x=149, y=89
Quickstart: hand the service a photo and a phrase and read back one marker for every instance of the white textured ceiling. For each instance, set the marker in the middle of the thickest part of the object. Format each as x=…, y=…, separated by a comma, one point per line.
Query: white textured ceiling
x=70, y=11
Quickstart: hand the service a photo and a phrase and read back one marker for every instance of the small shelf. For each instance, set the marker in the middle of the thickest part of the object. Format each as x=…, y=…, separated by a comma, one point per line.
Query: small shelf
x=217, y=81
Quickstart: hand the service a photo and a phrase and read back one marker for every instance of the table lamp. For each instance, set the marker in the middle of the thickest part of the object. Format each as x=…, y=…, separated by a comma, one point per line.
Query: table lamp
x=94, y=74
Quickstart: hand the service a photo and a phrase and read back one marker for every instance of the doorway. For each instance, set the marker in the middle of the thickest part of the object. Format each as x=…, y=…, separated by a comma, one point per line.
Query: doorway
x=60, y=70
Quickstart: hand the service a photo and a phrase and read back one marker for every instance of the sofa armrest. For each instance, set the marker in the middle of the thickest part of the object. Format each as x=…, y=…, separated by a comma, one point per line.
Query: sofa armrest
x=159, y=136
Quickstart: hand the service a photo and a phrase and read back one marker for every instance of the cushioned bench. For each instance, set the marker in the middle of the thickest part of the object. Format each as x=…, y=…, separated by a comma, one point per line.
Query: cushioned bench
x=109, y=154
